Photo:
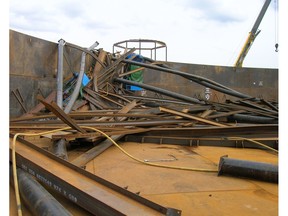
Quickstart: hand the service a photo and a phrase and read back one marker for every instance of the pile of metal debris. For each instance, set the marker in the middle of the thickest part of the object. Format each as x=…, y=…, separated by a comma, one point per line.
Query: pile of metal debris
x=102, y=98
x=107, y=100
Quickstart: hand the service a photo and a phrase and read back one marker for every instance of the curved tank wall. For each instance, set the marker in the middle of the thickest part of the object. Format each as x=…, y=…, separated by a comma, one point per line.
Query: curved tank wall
x=33, y=70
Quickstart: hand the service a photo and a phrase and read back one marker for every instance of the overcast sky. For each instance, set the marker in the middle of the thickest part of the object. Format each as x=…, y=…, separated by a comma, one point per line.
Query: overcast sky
x=195, y=31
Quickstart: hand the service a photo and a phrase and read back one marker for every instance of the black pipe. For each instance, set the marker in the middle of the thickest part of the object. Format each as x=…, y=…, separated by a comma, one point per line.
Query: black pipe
x=37, y=198
x=224, y=90
x=249, y=169
x=241, y=118
x=153, y=99
x=159, y=90
x=198, y=79
x=258, y=107
x=167, y=69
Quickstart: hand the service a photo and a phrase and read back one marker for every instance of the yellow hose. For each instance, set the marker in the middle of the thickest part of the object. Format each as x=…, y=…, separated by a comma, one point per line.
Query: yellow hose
x=19, y=209
x=253, y=141
x=149, y=163
x=15, y=177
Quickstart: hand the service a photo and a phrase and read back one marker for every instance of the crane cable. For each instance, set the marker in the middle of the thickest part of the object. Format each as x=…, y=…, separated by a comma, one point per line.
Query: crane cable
x=276, y=25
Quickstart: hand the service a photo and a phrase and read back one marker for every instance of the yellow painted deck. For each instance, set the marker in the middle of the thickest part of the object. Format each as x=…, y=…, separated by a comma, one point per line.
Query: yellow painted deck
x=195, y=193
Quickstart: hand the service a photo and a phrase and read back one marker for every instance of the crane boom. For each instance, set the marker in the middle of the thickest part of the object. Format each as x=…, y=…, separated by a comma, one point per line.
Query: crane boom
x=252, y=35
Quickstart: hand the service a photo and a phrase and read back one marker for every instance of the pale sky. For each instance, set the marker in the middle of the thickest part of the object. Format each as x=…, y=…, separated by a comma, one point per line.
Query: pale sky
x=195, y=31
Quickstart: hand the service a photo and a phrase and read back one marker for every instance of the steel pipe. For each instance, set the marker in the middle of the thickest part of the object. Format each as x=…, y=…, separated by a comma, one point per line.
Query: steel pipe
x=248, y=169
x=241, y=118
x=61, y=44
x=79, y=80
x=146, y=100
x=37, y=198
x=198, y=79
x=159, y=90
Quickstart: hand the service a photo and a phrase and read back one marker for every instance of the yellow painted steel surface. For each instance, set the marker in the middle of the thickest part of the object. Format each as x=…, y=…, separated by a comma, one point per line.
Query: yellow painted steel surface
x=119, y=203
x=195, y=193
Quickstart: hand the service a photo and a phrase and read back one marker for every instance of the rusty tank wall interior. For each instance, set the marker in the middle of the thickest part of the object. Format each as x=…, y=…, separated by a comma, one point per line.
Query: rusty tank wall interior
x=33, y=70
x=257, y=82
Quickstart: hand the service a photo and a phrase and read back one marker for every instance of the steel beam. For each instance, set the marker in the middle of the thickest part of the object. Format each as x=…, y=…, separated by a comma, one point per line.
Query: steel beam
x=61, y=114
x=96, y=195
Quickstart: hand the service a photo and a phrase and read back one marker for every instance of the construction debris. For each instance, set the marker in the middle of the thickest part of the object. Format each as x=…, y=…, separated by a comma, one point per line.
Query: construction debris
x=109, y=102
x=108, y=89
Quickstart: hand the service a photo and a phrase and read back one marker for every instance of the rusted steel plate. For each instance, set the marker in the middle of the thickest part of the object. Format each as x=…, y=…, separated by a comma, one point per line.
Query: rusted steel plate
x=51, y=97
x=92, y=153
x=19, y=99
x=98, y=67
x=95, y=151
x=195, y=193
x=93, y=193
